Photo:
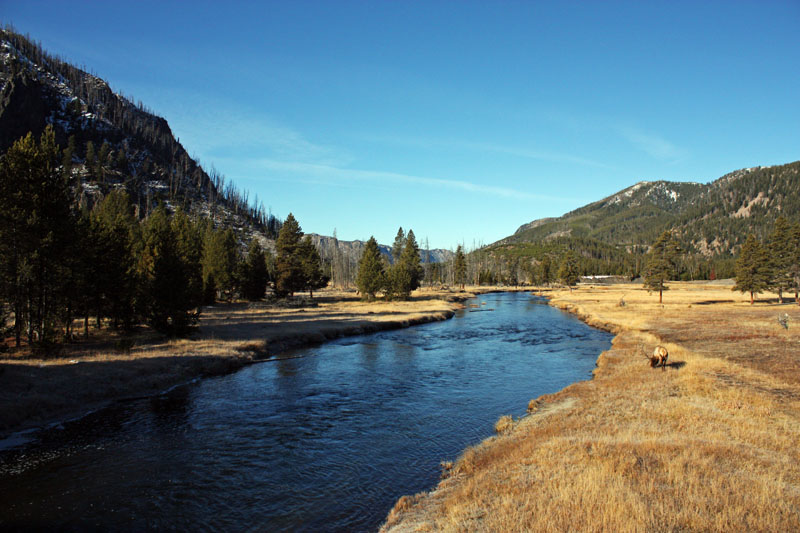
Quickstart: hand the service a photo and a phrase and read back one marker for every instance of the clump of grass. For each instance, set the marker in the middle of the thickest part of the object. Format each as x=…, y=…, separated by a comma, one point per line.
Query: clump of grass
x=533, y=405
x=447, y=468
x=504, y=424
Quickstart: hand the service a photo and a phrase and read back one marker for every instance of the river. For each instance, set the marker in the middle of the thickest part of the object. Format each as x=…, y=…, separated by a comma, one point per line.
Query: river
x=324, y=441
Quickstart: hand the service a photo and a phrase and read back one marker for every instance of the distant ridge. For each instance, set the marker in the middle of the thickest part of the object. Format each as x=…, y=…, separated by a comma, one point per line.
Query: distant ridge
x=709, y=219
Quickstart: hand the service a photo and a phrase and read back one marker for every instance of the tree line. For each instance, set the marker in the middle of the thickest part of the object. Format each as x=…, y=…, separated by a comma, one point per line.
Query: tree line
x=395, y=280
x=773, y=264
x=60, y=262
x=770, y=265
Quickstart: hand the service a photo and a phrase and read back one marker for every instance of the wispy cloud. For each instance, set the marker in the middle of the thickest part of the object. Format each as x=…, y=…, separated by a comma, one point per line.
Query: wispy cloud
x=223, y=131
x=652, y=144
x=471, y=146
x=332, y=174
x=649, y=142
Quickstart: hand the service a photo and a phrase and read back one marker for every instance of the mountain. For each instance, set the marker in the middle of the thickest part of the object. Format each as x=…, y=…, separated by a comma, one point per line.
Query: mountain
x=119, y=144
x=115, y=143
x=708, y=219
x=353, y=249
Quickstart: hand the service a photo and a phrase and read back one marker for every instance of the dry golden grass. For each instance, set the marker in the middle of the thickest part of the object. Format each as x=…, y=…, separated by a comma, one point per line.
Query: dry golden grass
x=504, y=424
x=711, y=442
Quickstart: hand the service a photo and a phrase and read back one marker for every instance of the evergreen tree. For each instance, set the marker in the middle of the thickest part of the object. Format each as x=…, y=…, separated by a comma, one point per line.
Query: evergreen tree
x=460, y=267
x=91, y=160
x=411, y=258
x=780, y=251
x=661, y=264
x=397, y=247
x=219, y=262
x=311, y=262
x=255, y=274
x=371, y=277
x=406, y=273
x=69, y=152
x=189, y=242
x=36, y=226
x=111, y=272
x=794, y=267
x=102, y=161
x=167, y=293
x=396, y=276
x=85, y=295
x=121, y=161
x=568, y=272
x=752, y=268
x=546, y=269
x=289, y=273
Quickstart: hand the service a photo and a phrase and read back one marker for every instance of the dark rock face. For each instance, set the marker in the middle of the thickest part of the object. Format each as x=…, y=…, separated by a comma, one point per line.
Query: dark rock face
x=24, y=107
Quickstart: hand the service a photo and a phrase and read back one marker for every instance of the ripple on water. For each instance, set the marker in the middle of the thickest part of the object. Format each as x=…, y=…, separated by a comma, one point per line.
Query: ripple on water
x=322, y=443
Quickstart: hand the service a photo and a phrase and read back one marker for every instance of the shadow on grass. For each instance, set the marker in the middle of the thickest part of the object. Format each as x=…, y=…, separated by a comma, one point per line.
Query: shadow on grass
x=712, y=302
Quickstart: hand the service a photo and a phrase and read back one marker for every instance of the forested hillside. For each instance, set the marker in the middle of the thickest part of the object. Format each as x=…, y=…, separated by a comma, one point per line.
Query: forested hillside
x=709, y=219
x=710, y=222
x=114, y=144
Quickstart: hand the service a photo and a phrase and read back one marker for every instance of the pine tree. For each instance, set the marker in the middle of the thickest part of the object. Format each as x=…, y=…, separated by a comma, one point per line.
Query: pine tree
x=661, y=264
x=371, y=276
x=91, y=160
x=36, y=225
x=219, y=262
x=406, y=271
x=102, y=161
x=397, y=247
x=255, y=274
x=780, y=252
x=112, y=274
x=752, y=268
x=568, y=272
x=289, y=274
x=313, y=276
x=794, y=267
x=166, y=287
x=460, y=267
x=546, y=269
x=189, y=243
x=412, y=261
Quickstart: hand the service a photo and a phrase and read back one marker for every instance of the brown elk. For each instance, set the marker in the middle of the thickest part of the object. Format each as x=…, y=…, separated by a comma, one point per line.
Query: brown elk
x=659, y=357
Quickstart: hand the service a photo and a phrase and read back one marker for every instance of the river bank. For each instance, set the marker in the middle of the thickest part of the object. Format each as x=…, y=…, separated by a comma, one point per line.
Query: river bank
x=36, y=392
x=707, y=443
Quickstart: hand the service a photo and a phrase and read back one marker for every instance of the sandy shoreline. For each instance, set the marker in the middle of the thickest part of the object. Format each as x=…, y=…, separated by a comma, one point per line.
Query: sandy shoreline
x=708, y=443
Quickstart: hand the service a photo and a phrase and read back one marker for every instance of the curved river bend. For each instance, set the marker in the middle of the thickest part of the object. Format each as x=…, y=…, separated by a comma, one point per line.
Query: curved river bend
x=324, y=442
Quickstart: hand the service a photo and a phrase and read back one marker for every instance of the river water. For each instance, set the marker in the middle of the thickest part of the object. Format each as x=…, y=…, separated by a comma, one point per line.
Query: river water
x=326, y=441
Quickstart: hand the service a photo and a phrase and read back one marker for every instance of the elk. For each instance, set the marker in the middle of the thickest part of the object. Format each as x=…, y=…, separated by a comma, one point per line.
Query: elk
x=659, y=357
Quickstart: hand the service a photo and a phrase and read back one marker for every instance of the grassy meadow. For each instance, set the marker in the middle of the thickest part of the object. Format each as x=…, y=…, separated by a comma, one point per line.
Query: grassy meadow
x=709, y=442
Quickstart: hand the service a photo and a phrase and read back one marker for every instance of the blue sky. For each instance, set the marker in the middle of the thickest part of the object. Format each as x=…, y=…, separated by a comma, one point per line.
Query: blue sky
x=461, y=120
